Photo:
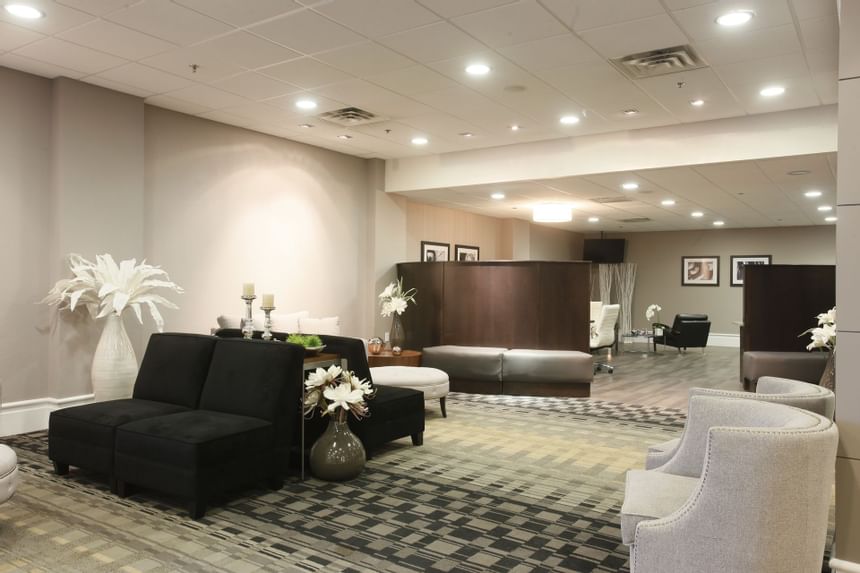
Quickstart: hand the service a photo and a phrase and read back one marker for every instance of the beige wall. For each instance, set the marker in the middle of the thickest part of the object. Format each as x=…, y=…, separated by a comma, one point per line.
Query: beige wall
x=551, y=244
x=439, y=224
x=658, y=256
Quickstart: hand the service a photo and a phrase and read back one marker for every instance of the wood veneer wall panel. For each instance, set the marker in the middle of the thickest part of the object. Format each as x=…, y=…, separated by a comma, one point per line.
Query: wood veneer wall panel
x=422, y=322
x=565, y=291
x=781, y=301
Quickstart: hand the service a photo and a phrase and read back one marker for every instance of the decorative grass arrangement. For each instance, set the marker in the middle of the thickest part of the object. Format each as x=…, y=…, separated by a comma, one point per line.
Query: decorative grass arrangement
x=306, y=340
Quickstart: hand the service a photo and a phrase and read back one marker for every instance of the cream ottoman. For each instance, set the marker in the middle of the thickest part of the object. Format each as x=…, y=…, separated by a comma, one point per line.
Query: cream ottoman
x=432, y=381
x=8, y=472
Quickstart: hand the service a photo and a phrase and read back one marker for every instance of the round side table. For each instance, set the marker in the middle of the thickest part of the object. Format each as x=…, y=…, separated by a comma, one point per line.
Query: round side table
x=386, y=358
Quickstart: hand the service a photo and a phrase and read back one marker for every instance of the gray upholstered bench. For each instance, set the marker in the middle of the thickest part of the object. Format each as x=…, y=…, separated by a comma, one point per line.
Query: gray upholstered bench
x=805, y=366
x=475, y=369
x=547, y=373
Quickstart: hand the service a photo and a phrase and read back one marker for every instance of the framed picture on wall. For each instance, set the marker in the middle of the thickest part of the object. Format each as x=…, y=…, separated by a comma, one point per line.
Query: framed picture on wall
x=700, y=271
x=434, y=252
x=738, y=263
x=465, y=253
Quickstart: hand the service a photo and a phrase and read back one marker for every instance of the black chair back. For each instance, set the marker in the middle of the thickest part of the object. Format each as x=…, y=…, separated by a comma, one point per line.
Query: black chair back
x=174, y=368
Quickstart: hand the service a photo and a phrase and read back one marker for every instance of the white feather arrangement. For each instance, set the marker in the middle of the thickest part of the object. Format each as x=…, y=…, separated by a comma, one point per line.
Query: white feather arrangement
x=104, y=287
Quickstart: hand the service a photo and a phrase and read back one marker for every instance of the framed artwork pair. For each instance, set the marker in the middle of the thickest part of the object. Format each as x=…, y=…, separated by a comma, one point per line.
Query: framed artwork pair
x=705, y=271
x=439, y=252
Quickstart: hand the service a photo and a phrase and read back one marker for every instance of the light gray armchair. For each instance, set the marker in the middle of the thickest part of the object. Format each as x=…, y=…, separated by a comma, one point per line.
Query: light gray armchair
x=747, y=489
x=770, y=389
x=8, y=472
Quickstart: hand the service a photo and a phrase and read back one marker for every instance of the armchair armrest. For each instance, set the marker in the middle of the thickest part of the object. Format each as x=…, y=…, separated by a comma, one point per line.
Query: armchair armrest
x=665, y=327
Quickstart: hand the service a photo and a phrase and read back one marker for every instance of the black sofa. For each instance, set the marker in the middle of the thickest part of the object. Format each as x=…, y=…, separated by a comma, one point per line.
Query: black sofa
x=687, y=331
x=207, y=415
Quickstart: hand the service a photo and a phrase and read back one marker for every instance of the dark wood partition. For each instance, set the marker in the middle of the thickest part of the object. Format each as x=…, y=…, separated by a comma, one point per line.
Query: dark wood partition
x=781, y=301
x=511, y=304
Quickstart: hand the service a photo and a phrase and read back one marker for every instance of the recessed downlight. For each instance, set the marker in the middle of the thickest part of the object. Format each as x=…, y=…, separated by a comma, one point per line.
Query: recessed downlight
x=344, y=136
x=306, y=125
x=515, y=127
x=477, y=69
x=24, y=11
x=498, y=195
x=772, y=91
x=719, y=223
x=797, y=172
x=306, y=104
x=735, y=18
x=419, y=141
x=825, y=208
x=630, y=186
x=667, y=202
x=568, y=120
x=467, y=134
x=697, y=102
x=697, y=214
x=594, y=219
x=812, y=194
x=830, y=219
x=630, y=112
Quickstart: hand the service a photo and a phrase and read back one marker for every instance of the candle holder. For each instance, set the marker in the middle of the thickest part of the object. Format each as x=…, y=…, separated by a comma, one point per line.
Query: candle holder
x=267, y=323
x=248, y=320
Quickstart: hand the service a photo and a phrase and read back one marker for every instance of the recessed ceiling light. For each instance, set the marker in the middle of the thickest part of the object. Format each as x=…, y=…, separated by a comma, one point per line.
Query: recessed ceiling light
x=569, y=119
x=812, y=194
x=630, y=111
x=306, y=125
x=697, y=102
x=467, y=134
x=697, y=214
x=306, y=104
x=667, y=202
x=24, y=11
x=515, y=127
x=477, y=69
x=630, y=186
x=419, y=141
x=799, y=172
x=772, y=91
x=593, y=219
x=498, y=195
x=719, y=223
x=552, y=213
x=825, y=208
x=830, y=219
x=735, y=18
x=344, y=136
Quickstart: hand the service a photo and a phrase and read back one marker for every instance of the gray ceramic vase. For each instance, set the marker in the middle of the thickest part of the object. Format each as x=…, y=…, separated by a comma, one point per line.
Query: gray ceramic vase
x=337, y=455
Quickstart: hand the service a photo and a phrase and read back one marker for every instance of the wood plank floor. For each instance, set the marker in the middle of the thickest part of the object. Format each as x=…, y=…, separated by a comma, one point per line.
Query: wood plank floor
x=663, y=379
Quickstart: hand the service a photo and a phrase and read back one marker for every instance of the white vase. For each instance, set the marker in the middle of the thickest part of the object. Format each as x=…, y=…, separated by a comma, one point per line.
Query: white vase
x=114, y=367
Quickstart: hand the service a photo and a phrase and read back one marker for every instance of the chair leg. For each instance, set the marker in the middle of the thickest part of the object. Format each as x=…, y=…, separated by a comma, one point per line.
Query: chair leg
x=61, y=469
x=122, y=488
x=442, y=405
x=197, y=508
x=418, y=439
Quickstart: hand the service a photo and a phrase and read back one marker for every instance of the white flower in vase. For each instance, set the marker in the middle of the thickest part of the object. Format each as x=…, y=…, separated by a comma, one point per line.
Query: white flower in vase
x=824, y=335
x=653, y=311
x=394, y=300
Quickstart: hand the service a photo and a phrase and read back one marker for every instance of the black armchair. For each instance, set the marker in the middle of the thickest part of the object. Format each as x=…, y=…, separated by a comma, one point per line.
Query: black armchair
x=687, y=331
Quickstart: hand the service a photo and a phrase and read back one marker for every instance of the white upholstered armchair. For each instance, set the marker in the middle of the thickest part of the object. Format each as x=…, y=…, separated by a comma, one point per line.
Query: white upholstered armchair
x=747, y=489
x=8, y=472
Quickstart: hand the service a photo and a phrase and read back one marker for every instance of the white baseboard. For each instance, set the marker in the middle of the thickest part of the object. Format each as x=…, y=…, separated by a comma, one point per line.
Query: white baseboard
x=840, y=566
x=729, y=340
x=32, y=415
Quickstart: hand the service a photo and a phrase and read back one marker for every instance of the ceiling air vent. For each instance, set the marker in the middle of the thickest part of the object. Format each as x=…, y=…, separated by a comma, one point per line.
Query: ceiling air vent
x=616, y=199
x=659, y=62
x=351, y=116
x=635, y=220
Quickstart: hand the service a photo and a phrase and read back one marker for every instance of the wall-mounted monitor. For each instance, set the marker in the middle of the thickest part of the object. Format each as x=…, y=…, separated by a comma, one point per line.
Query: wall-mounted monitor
x=604, y=250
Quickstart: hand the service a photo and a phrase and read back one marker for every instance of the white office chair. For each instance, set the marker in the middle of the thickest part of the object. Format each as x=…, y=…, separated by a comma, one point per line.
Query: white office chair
x=594, y=314
x=603, y=333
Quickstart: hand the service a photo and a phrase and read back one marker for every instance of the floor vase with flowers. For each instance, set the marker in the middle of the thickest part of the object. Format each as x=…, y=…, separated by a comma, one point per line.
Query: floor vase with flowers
x=337, y=455
x=114, y=367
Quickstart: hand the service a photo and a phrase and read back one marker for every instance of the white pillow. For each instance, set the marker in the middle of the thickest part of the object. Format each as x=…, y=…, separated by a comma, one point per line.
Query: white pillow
x=230, y=321
x=329, y=325
x=287, y=322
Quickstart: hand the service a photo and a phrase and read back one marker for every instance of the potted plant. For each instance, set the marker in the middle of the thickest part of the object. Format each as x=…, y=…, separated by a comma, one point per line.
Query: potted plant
x=393, y=301
x=823, y=338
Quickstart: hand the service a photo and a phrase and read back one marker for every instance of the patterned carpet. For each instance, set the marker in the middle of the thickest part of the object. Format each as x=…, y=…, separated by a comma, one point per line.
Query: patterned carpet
x=503, y=484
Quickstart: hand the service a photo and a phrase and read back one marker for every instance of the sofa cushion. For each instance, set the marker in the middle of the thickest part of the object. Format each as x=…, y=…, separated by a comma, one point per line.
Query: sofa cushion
x=174, y=368
x=650, y=494
x=804, y=366
x=465, y=362
x=553, y=366
x=329, y=325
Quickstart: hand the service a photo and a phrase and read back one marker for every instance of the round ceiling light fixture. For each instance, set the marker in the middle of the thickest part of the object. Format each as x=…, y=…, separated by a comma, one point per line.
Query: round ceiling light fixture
x=498, y=195
x=419, y=141
x=735, y=18
x=719, y=223
x=697, y=214
x=825, y=208
x=515, y=127
x=552, y=213
x=797, y=172
x=830, y=219
x=306, y=104
x=812, y=194
x=594, y=219
x=24, y=11
x=697, y=102
x=667, y=202
x=477, y=69
x=630, y=112
x=344, y=136
x=772, y=91
x=630, y=186
x=568, y=120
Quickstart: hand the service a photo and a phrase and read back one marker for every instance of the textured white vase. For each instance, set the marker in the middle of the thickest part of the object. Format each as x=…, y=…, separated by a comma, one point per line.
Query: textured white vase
x=114, y=363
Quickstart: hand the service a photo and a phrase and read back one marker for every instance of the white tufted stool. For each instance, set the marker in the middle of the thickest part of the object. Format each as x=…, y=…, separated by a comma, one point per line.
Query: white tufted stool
x=8, y=472
x=432, y=381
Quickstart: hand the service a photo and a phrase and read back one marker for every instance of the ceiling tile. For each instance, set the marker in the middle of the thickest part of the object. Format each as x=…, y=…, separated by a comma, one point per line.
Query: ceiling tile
x=820, y=34
x=306, y=73
x=68, y=55
x=227, y=118
x=587, y=14
x=764, y=43
x=553, y=52
x=288, y=103
x=211, y=67
x=58, y=18
x=307, y=32
x=174, y=104
x=438, y=41
x=16, y=62
x=763, y=70
x=700, y=22
x=452, y=8
x=145, y=78
x=207, y=96
x=246, y=50
x=799, y=92
x=375, y=18
x=255, y=112
x=365, y=59
x=511, y=24
x=113, y=39
x=701, y=84
x=826, y=85
x=97, y=7
x=255, y=86
x=681, y=4
x=413, y=80
x=635, y=36
x=168, y=21
x=12, y=37
x=808, y=9
x=373, y=98
x=241, y=13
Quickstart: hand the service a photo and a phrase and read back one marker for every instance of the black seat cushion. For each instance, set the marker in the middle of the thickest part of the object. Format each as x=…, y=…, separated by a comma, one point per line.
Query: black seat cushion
x=174, y=368
x=84, y=435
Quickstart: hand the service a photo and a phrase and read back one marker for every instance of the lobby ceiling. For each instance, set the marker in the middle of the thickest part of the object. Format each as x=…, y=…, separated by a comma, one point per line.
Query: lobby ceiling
x=247, y=64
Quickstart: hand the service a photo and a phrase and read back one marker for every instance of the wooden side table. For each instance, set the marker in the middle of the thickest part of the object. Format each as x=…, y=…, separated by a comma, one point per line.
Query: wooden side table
x=386, y=358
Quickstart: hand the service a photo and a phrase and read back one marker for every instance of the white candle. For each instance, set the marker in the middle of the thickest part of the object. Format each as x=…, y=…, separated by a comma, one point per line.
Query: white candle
x=248, y=289
x=268, y=301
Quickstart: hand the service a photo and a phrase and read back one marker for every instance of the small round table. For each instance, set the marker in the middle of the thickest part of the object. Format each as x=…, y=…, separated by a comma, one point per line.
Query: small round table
x=386, y=358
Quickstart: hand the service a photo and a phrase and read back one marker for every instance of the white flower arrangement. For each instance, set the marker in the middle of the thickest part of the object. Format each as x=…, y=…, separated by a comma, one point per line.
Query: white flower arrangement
x=652, y=311
x=824, y=335
x=336, y=392
x=104, y=287
x=394, y=300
